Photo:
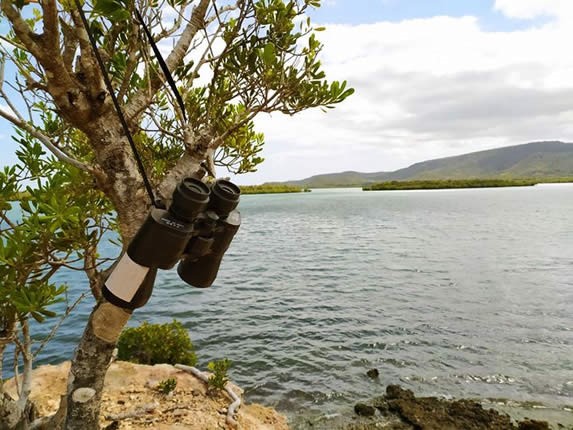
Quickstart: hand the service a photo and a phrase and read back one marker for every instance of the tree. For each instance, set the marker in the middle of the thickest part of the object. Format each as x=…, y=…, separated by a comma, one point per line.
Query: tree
x=232, y=60
x=48, y=235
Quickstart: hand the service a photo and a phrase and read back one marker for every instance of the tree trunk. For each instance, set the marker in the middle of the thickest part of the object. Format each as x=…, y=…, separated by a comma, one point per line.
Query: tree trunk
x=13, y=416
x=90, y=364
x=124, y=186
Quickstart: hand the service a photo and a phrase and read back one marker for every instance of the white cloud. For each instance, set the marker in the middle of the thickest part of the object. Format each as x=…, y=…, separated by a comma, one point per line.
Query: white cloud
x=528, y=9
x=428, y=88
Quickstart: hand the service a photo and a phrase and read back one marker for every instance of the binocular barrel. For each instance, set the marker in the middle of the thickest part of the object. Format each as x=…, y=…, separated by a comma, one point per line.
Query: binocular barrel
x=163, y=236
x=200, y=267
x=198, y=227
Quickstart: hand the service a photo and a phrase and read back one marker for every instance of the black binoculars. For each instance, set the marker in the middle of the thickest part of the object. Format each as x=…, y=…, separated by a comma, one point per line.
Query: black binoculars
x=195, y=230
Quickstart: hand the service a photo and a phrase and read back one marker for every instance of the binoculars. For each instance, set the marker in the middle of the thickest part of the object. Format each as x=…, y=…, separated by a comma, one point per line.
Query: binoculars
x=195, y=231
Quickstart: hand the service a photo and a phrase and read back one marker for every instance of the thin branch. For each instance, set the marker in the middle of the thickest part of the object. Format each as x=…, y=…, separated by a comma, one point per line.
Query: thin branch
x=12, y=42
x=47, y=142
x=7, y=221
x=203, y=60
x=242, y=17
x=3, y=93
x=27, y=358
x=262, y=108
x=143, y=98
x=23, y=31
x=162, y=129
x=236, y=399
x=15, y=364
x=176, y=25
x=88, y=63
x=70, y=45
x=50, y=336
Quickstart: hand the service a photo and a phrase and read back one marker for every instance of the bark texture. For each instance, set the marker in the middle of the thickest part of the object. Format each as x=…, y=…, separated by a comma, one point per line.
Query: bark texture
x=15, y=415
x=90, y=364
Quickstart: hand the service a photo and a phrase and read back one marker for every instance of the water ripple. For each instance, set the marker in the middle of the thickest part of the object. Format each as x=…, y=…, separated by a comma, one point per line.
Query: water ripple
x=465, y=293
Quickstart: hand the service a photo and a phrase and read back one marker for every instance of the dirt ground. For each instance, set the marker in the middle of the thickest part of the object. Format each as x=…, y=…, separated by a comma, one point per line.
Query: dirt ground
x=131, y=389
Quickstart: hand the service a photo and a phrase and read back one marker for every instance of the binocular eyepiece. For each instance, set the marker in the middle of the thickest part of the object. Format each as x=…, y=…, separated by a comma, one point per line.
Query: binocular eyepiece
x=197, y=229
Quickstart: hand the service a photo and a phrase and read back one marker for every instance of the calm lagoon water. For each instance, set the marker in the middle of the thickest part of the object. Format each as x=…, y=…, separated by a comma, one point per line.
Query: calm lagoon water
x=448, y=292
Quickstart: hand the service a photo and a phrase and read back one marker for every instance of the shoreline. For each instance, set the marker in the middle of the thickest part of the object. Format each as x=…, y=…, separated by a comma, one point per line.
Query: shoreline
x=130, y=388
x=400, y=409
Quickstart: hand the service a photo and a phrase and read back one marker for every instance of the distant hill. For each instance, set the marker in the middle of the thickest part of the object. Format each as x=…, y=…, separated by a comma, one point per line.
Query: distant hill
x=531, y=160
x=343, y=179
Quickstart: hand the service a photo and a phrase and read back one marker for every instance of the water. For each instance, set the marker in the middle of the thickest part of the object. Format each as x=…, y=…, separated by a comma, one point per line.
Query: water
x=448, y=292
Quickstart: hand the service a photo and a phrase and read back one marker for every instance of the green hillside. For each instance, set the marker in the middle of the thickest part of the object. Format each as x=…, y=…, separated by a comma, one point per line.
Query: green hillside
x=343, y=179
x=549, y=160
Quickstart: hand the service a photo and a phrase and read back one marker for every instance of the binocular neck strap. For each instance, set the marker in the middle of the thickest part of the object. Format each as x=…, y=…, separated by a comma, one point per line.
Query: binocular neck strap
x=116, y=104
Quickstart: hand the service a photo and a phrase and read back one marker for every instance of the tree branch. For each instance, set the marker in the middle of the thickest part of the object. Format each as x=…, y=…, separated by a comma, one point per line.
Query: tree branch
x=13, y=43
x=143, y=98
x=50, y=336
x=176, y=26
x=47, y=142
x=23, y=31
x=236, y=399
x=187, y=165
x=51, y=29
x=88, y=62
x=59, y=82
x=4, y=96
x=70, y=45
x=27, y=358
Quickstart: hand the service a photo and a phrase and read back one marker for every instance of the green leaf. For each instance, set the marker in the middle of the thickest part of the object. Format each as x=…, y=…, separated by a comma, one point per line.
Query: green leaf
x=115, y=10
x=269, y=54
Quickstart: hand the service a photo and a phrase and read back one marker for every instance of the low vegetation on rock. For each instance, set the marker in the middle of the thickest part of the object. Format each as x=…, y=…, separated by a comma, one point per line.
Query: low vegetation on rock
x=157, y=343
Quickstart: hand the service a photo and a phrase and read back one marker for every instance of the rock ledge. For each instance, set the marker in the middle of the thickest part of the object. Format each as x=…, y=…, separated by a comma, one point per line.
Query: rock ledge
x=129, y=390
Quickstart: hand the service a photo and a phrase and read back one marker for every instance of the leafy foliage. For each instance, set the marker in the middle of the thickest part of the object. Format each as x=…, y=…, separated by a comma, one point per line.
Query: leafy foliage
x=262, y=56
x=157, y=343
x=40, y=232
x=167, y=385
x=219, y=378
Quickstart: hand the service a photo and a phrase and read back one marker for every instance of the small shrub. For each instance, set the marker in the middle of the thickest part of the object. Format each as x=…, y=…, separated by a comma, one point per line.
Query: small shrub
x=167, y=385
x=157, y=343
x=219, y=377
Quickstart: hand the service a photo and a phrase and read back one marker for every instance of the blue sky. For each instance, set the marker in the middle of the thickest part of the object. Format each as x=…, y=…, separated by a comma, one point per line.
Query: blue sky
x=371, y=11
x=433, y=78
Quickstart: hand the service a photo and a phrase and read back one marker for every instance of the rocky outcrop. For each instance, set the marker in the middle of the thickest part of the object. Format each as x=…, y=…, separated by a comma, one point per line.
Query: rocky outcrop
x=131, y=401
x=401, y=410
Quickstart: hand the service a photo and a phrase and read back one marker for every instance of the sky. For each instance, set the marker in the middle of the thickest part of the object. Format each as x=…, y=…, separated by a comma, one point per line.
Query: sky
x=433, y=78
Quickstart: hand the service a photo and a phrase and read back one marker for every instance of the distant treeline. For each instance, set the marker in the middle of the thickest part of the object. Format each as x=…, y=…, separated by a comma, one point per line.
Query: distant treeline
x=271, y=189
x=451, y=183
